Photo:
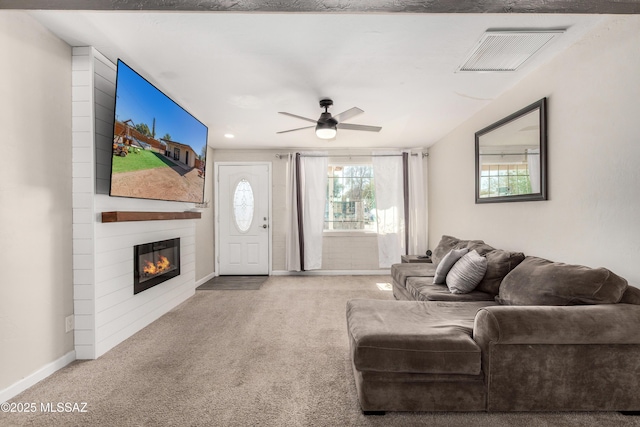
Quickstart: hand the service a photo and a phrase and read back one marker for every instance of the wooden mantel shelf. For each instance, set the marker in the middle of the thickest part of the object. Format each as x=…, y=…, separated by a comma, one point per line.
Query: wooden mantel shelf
x=120, y=216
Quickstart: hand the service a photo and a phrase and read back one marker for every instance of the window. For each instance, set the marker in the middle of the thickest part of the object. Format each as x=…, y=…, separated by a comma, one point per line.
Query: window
x=351, y=202
x=504, y=179
x=243, y=205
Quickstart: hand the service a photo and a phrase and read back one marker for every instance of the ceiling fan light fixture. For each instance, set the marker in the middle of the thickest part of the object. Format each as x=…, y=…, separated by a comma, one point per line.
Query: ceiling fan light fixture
x=326, y=131
x=327, y=126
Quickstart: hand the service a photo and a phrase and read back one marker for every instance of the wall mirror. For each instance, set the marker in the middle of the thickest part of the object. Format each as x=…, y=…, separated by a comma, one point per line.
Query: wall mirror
x=511, y=157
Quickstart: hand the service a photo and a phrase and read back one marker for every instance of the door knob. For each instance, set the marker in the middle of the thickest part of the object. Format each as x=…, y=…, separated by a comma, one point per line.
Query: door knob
x=264, y=225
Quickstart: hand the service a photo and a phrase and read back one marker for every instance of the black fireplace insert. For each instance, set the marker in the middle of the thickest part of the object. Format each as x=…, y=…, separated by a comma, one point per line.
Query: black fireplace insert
x=155, y=263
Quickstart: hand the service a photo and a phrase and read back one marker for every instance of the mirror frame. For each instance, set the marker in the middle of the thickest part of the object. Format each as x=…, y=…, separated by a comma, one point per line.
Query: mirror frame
x=541, y=106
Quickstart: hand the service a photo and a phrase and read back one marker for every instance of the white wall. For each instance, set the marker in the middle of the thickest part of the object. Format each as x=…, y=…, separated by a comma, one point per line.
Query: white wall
x=35, y=199
x=204, y=228
x=52, y=189
x=592, y=215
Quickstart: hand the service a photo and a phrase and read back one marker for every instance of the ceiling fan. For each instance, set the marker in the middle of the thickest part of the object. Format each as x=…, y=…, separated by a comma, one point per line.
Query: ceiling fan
x=327, y=126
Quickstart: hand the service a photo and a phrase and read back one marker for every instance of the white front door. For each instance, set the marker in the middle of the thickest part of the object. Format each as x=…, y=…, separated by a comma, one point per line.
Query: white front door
x=243, y=225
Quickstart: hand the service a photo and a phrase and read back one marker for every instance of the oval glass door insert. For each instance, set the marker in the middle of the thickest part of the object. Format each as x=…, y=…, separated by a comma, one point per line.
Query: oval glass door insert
x=243, y=205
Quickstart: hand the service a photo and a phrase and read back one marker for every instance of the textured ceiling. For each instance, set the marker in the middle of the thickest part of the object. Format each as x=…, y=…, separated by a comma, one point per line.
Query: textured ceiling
x=341, y=6
x=235, y=71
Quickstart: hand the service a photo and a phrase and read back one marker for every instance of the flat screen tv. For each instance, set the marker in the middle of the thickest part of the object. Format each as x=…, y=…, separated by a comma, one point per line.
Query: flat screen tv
x=159, y=149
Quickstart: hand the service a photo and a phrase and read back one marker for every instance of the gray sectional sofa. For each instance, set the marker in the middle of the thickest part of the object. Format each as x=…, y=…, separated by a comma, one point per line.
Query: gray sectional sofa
x=533, y=335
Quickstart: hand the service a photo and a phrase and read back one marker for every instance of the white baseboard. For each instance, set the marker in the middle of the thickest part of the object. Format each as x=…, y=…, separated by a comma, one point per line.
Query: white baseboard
x=383, y=272
x=332, y=273
x=205, y=279
x=39, y=375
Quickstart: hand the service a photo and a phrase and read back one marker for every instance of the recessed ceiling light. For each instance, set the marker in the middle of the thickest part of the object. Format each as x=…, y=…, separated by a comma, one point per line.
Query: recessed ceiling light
x=229, y=135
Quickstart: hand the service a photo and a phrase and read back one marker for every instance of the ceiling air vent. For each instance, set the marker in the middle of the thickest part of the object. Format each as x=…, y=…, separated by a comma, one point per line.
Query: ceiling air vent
x=506, y=50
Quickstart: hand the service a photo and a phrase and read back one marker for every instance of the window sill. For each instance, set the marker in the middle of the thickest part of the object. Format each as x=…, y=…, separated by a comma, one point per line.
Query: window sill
x=349, y=233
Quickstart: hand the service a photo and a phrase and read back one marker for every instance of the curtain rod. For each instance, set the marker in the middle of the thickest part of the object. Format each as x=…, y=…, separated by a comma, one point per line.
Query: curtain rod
x=281, y=155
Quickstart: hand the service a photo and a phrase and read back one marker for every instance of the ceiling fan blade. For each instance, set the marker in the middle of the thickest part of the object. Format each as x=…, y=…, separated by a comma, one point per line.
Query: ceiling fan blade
x=346, y=115
x=351, y=126
x=292, y=130
x=298, y=117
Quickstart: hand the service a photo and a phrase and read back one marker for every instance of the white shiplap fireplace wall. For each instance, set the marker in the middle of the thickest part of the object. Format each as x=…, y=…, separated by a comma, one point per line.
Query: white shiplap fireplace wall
x=106, y=310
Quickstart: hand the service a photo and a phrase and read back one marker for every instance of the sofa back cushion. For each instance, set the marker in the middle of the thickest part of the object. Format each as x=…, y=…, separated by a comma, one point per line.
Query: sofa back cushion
x=499, y=264
x=448, y=243
x=479, y=246
x=537, y=281
x=631, y=296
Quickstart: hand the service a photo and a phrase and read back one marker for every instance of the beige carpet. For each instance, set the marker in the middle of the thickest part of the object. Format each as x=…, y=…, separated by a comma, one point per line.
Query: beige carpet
x=277, y=356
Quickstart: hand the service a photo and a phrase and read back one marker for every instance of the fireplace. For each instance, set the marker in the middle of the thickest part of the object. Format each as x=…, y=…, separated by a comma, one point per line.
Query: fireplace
x=155, y=263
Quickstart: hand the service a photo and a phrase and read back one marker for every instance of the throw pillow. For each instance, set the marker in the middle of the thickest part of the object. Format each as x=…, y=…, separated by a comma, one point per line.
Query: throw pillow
x=465, y=274
x=447, y=262
x=537, y=281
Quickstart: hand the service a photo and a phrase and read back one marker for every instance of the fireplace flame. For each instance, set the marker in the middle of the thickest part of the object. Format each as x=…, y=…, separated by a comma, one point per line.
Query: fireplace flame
x=157, y=268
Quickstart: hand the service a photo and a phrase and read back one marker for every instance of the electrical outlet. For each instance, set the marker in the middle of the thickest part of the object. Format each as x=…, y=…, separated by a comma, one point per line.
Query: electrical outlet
x=68, y=323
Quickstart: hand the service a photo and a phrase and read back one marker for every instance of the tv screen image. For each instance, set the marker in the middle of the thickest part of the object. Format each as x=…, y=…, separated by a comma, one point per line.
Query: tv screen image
x=159, y=149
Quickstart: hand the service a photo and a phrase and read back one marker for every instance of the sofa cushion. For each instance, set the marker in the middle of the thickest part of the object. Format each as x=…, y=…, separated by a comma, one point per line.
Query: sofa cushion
x=446, y=263
x=413, y=336
x=537, y=281
x=499, y=264
x=447, y=243
x=465, y=275
x=422, y=289
x=400, y=272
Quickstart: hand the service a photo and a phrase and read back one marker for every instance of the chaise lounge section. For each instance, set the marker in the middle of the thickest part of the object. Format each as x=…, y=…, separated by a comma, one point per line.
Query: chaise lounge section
x=553, y=337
